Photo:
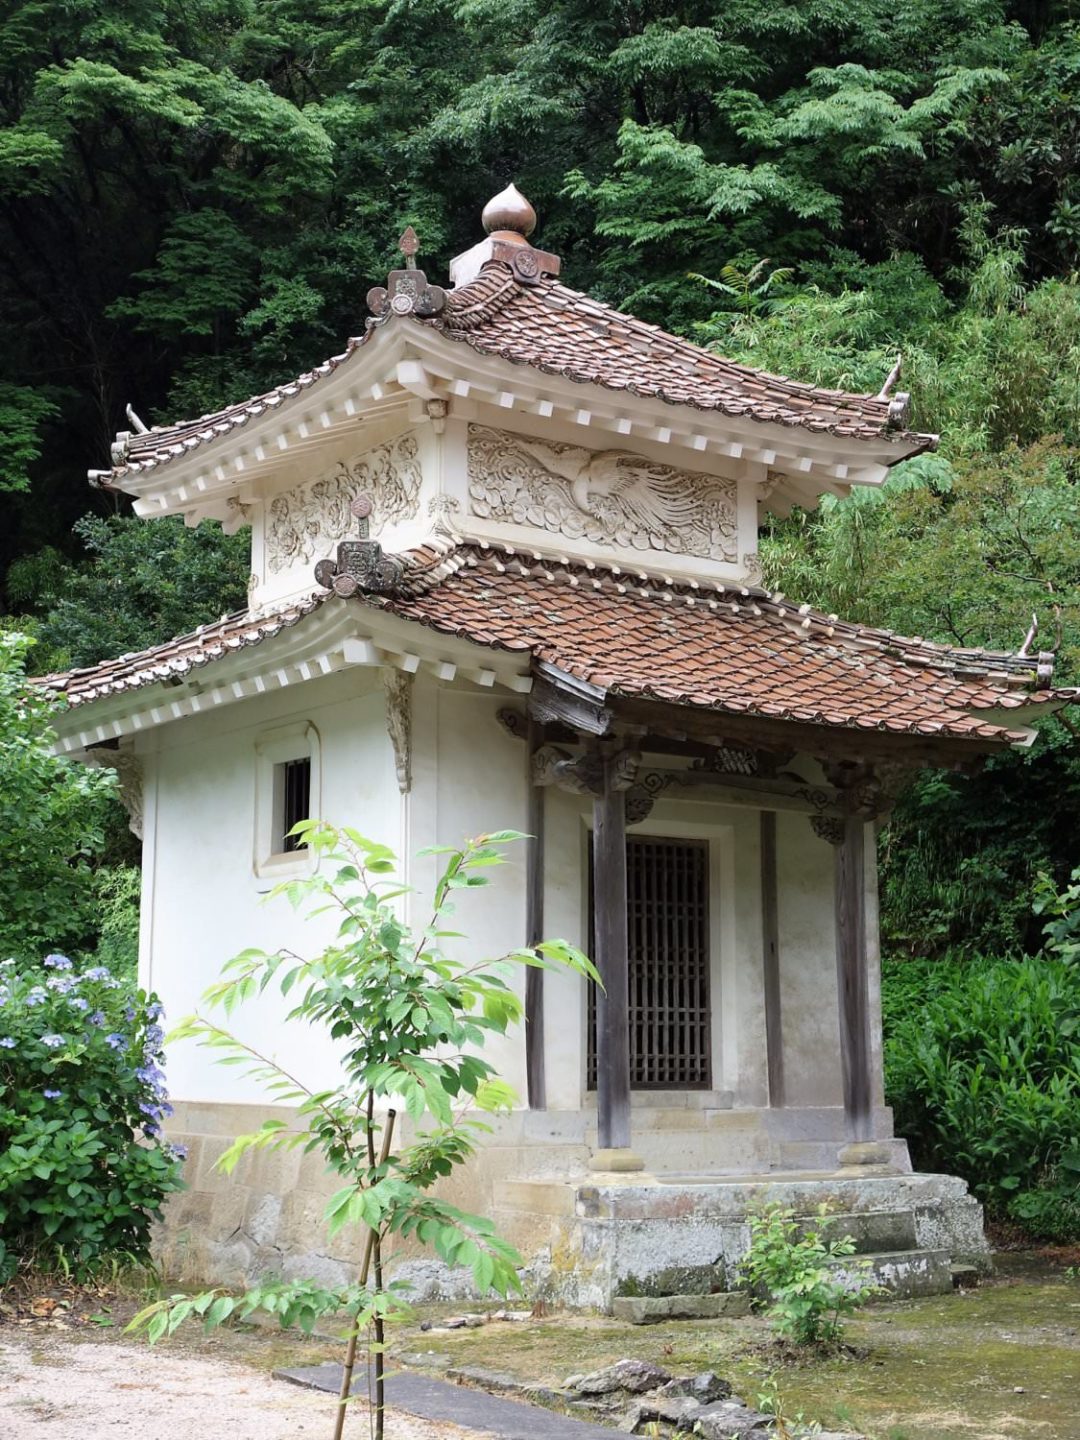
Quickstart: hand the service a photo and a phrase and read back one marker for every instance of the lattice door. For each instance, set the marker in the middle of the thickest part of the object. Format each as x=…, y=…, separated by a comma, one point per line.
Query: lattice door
x=667, y=897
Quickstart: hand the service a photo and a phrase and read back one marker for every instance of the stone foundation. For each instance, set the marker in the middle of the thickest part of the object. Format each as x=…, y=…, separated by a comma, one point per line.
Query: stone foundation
x=675, y=1228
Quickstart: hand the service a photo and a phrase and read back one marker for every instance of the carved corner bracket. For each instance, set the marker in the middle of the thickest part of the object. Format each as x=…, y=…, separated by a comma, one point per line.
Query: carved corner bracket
x=129, y=777
x=397, y=686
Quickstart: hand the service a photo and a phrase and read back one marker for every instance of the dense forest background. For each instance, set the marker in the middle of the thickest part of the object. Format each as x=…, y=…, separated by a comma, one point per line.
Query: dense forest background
x=196, y=197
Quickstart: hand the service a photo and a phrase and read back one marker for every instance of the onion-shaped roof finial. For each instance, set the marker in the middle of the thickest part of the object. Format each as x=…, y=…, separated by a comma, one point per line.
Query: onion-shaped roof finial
x=509, y=210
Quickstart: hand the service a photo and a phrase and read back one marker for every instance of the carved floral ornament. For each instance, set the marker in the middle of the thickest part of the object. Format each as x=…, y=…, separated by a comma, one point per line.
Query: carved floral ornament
x=306, y=522
x=606, y=496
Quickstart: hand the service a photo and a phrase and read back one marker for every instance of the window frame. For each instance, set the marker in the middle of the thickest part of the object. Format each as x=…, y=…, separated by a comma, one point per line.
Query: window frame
x=275, y=749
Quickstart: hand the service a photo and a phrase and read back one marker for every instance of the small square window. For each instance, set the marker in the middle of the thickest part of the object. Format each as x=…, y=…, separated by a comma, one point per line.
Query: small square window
x=292, y=803
x=288, y=789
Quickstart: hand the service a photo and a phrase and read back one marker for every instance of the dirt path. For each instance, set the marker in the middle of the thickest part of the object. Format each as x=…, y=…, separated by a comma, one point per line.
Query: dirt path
x=53, y=1389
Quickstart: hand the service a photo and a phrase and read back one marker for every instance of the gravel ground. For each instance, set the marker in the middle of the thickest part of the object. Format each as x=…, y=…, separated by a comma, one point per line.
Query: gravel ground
x=54, y=1389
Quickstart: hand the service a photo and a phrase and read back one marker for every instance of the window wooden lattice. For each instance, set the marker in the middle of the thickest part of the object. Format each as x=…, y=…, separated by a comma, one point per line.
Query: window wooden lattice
x=667, y=898
x=295, y=781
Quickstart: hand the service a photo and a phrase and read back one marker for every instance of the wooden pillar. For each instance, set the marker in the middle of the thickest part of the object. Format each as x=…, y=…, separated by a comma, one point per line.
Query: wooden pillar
x=534, y=929
x=770, y=944
x=852, y=978
x=611, y=960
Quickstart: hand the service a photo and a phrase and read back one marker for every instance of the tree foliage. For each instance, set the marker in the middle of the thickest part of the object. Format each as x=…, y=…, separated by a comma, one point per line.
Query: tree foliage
x=140, y=584
x=196, y=196
x=56, y=815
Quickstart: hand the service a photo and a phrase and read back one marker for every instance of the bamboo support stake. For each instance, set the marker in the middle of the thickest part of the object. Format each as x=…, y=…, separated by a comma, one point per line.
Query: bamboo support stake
x=365, y=1266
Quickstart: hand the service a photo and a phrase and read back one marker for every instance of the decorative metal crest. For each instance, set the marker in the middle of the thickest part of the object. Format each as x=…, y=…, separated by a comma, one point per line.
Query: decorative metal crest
x=360, y=564
x=407, y=291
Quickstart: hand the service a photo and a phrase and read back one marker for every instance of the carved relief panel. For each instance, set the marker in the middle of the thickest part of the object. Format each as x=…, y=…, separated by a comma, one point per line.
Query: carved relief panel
x=609, y=497
x=305, y=523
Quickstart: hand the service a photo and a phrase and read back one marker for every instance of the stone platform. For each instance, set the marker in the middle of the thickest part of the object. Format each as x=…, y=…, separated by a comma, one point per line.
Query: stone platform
x=591, y=1241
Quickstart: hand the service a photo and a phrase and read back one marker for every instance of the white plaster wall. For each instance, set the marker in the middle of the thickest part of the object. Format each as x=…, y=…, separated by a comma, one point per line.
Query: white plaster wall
x=476, y=785
x=810, y=1018
x=203, y=902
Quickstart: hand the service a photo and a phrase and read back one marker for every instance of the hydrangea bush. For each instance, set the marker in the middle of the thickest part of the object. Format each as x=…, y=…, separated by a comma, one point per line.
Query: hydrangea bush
x=84, y=1166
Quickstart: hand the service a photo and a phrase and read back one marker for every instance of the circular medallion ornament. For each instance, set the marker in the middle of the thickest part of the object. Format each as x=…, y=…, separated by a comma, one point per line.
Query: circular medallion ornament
x=324, y=574
x=345, y=585
x=361, y=507
x=527, y=265
x=402, y=304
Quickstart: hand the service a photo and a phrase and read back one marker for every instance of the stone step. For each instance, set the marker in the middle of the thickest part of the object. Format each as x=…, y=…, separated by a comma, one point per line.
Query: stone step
x=872, y=1231
x=652, y=1309
x=902, y=1274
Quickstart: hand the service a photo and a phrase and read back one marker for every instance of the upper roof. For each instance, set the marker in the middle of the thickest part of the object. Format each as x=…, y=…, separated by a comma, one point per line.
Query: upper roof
x=508, y=305
x=560, y=331
x=726, y=649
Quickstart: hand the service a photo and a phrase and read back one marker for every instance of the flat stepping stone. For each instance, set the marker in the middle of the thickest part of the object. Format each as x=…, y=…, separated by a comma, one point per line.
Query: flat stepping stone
x=431, y=1399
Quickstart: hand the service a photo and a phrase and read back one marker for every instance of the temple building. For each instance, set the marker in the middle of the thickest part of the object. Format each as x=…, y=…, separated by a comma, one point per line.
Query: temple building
x=504, y=573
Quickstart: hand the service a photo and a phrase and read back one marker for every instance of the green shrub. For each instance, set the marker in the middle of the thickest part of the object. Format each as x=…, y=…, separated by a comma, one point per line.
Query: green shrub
x=982, y=1068
x=55, y=814
x=116, y=892
x=789, y=1263
x=83, y=1164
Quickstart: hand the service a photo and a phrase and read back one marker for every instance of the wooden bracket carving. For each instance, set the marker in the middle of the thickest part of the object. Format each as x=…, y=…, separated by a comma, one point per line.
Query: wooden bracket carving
x=828, y=827
x=514, y=721
x=868, y=789
x=584, y=774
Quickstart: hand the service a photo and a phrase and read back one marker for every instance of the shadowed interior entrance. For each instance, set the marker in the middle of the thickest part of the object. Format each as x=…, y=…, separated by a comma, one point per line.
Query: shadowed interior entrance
x=667, y=907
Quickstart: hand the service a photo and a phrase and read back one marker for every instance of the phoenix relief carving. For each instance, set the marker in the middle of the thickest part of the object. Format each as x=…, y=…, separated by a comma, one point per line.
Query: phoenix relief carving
x=306, y=522
x=607, y=496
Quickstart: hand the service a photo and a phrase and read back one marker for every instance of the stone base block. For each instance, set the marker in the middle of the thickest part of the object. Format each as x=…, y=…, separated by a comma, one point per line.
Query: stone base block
x=651, y=1309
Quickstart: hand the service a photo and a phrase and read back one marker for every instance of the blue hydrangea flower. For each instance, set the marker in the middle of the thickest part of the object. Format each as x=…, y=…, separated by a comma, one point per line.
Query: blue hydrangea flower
x=36, y=996
x=8, y=1042
x=129, y=1013
x=57, y=962
x=97, y=972
x=150, y=1075
x=152, y=1132
x=97, y=1018
x=154, y=1036
x=80, y=1004
x=155, y=1010
x=117, y=1041
x=179, y=1151
x=53, y=1094
x=52, y=1041
x=61, y=984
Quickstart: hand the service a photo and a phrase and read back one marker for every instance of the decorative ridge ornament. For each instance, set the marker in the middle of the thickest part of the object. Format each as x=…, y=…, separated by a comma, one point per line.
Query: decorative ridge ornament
x=361, y=564
x=509, y=210
x=509, y=220
x=407, y=291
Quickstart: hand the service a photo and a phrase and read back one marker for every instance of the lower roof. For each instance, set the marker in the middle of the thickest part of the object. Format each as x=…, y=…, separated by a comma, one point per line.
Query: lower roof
x=708, y=647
